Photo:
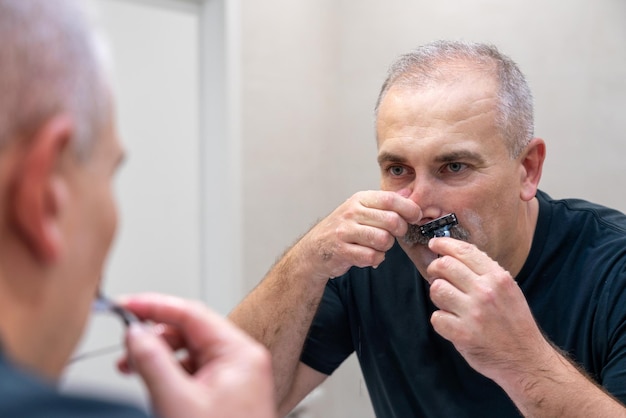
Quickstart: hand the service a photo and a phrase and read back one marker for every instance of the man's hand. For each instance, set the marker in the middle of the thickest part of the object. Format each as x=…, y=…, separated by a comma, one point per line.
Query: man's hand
x=222, y=372
x=483, y=312
x=357, y=233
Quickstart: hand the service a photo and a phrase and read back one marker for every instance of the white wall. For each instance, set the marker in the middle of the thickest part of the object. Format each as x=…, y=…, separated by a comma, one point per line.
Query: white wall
x=293, y=116
x=311, y=71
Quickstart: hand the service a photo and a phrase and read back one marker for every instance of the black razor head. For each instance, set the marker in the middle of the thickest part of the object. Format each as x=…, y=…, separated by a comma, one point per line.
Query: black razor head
x=439, y=227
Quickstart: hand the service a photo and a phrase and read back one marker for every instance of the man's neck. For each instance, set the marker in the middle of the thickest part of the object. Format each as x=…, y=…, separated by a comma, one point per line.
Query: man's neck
x=527, y=226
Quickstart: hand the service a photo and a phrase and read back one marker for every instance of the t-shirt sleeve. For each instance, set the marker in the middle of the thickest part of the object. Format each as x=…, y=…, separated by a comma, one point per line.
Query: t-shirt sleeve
x=329, y=341
x=613, y=314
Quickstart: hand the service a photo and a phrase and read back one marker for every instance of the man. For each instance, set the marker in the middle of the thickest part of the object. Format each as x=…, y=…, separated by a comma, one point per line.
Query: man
x=58, y=153
x=521, y=310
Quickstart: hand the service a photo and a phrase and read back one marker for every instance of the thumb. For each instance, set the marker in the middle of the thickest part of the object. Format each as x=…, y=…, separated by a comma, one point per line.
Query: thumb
x=154, y=361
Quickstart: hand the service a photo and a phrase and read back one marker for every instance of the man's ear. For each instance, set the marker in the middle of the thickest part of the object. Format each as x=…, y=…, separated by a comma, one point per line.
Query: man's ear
x=40, y=189
x=532, y=160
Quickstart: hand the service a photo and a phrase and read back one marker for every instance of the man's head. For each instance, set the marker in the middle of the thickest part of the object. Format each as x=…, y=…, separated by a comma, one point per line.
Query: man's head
x=454, y=125
x=58, y=153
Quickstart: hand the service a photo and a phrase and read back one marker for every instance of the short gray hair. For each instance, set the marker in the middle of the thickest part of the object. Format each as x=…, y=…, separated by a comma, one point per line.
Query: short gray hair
x=51, y=61
x=515, y=110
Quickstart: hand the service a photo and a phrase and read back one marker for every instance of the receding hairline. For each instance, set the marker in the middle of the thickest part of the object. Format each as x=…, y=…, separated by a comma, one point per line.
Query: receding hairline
x=439, y=70
x=437, y=62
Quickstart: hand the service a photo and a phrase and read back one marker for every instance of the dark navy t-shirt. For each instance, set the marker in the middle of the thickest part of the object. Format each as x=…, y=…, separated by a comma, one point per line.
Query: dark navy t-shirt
x=575, y=283
x=23, y=395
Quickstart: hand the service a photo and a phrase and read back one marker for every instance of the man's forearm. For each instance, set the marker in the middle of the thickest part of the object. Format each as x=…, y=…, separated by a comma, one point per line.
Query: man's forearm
x=560, y=390
x=279, y=312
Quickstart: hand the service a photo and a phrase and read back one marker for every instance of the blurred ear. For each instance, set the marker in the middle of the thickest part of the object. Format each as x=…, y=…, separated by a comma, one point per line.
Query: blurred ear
x=532, y=160
x=40, y=190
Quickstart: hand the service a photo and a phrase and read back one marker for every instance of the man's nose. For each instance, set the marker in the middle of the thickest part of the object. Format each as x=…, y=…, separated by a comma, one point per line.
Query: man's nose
x=425, y=196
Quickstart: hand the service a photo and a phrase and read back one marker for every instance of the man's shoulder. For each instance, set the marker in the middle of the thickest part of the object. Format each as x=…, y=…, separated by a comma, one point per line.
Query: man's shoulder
x=576, y=238
x=584, y=213
x=23, y=394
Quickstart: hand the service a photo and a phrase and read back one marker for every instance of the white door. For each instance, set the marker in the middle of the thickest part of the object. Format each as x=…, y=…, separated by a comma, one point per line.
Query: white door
x=155, y=48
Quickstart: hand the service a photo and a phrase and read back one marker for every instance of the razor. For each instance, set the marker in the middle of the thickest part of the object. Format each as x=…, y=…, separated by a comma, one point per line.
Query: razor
x=439, y=227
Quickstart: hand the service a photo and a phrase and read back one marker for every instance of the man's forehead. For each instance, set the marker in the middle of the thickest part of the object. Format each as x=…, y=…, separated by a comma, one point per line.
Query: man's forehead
x=416, y=112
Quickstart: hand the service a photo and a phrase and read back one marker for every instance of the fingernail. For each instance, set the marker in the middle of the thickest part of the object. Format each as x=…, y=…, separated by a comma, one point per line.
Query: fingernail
x=138, y=329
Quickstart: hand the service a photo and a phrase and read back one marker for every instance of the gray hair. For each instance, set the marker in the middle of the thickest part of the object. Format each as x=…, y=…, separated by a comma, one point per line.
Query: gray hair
x=515, y=110
x=51, y=61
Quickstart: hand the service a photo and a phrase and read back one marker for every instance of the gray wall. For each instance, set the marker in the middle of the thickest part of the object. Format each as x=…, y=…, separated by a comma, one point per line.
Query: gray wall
x=310, y=73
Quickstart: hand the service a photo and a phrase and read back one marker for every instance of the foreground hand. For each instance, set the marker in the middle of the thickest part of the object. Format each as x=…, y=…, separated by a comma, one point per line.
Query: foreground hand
x=483, y=312
x=225, y=373
x=357, y=233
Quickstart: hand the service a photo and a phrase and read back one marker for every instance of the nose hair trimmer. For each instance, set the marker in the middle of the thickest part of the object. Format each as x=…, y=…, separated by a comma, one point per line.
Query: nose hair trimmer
x=439, y=227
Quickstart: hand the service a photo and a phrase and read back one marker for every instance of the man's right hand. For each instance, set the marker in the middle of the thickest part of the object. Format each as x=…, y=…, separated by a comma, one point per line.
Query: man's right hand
x=224, y=372
x=357, y=233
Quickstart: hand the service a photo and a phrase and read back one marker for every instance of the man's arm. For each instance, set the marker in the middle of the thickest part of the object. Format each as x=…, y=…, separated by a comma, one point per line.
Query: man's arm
x=484, y=313
x=555, y=387
x=279, y=311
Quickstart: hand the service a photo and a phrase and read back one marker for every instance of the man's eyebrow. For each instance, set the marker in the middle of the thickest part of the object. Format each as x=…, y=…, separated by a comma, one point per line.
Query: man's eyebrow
x=385, y=157
x=449, y=157
x=463, y=155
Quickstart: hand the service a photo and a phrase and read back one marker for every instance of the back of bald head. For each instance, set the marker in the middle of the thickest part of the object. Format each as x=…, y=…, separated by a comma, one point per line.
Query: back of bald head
x=51, y=62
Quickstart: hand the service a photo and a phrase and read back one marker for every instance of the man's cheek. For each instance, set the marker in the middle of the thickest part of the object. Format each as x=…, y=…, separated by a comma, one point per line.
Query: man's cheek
x=472, y=221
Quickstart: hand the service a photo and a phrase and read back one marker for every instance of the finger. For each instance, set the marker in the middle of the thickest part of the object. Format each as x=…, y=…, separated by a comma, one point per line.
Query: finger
x=366, y=257
x=475, y=259
x=454, y=271
x=203, y=330
x=153, y=360
x=367, y=236
x=394, y=202
x=448, y=298
x=385, y=220
x=359, y=256
x=446, y=324
x=171, y=335
x=167, y=333
x=371, y=209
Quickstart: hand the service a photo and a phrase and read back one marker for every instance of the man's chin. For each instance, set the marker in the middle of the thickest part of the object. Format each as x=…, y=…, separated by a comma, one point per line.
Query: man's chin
x=419, y=254
x=415, y=245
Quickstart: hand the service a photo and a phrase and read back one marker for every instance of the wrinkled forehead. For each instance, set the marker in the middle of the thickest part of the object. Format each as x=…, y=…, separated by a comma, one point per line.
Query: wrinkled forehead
x=455, y=99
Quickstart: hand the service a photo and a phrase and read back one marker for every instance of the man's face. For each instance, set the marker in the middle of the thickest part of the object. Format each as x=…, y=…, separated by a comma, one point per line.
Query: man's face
x=100, y=205
x=440, y=146
x=90, y=225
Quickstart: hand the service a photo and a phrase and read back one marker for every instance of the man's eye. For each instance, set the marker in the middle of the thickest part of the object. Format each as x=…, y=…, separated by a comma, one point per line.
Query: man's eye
x=396, y=170
x=456, y=167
